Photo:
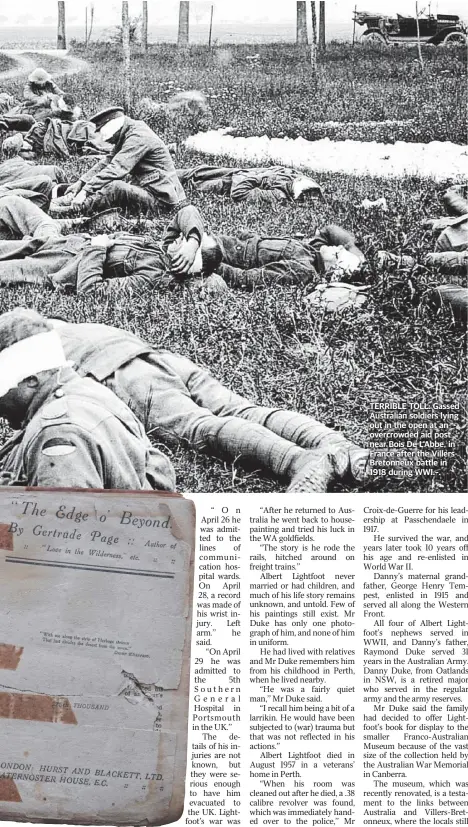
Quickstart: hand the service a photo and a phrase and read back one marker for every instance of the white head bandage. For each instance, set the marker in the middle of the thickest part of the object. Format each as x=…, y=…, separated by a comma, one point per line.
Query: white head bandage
x=28, y=357
x=339, y=260
x=111, y=127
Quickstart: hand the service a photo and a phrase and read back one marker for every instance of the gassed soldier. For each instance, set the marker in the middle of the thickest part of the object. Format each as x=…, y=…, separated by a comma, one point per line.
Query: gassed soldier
x=138, y=174
x=180, y=403
x=72, y=432
x=37, y=252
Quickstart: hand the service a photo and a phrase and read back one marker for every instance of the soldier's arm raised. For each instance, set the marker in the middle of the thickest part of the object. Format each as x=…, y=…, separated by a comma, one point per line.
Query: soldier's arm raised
x=56, y=89
x=188, y=222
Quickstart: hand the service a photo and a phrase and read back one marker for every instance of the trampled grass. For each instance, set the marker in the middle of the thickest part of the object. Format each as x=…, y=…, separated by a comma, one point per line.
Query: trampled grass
x=266, y=344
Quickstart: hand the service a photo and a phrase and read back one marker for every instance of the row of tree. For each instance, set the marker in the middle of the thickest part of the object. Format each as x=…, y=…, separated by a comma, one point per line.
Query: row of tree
x=301, y=30
x=184, y=23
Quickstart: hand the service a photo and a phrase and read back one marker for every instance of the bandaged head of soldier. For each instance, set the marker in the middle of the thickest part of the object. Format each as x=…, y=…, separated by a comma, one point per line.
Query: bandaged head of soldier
x=39, y=77
x=30, y=355
x=109, y=122
x=339, y=260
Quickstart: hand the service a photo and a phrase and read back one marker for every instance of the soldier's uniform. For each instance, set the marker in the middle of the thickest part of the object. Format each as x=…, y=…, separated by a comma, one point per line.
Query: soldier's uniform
x=454, y=235
x=262, y=186
x=181, y=403
x=32, y=181
x=454, y=295
x=451, y=247
x=451, y=257
x=133, y=262
x=139, y=174
x=251, y=260
x=78, y=434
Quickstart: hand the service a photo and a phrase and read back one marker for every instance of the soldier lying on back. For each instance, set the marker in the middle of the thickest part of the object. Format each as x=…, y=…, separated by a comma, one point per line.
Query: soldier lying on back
x=115, y=263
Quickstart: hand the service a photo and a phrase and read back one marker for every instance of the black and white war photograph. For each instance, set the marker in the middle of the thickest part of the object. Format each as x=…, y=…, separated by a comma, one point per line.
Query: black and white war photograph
x=234, y=245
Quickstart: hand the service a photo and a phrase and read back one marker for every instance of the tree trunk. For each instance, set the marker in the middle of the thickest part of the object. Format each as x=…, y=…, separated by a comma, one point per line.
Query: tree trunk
x=313, y=45
x=211, y=27
x=419, y=39
x=322, y=26
x=90, y=23
x=61, y=36
x=184, y=16
x=301, y=32
x=144, y=26
x=126, y=54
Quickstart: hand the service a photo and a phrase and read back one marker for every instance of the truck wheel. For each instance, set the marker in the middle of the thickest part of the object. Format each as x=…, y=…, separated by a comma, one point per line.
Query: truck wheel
x=455, y=39
x=375, y=38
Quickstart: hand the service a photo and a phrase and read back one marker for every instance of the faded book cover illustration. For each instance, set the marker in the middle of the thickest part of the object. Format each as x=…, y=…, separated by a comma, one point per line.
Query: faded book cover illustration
x=95, y=622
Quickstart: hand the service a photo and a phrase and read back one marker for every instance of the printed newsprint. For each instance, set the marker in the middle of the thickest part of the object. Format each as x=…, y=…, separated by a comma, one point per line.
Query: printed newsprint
x=95, y=592
x=330, y=670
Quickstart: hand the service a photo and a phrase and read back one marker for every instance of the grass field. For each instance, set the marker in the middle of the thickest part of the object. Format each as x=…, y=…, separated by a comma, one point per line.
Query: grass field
x=6, y=63
x=265, y=344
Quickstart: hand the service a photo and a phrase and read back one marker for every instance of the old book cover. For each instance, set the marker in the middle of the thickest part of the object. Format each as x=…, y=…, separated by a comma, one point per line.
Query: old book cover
x=95, y=616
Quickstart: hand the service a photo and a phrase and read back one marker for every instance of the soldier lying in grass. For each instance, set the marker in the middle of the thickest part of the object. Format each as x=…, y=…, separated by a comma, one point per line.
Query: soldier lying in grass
x=134, y=262
x=450, y=254
x=262, y=186
x=115, y=263
x=451, y=248
x=68, y=423
x=180, y=403
x=33, y=181
x=251, y=260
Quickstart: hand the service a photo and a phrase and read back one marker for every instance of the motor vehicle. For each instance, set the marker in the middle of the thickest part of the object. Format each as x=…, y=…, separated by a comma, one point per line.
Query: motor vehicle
x=441, y=29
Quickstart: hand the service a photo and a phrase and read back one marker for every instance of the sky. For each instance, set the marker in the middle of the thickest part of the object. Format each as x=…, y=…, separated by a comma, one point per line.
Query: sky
x=107, y=12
